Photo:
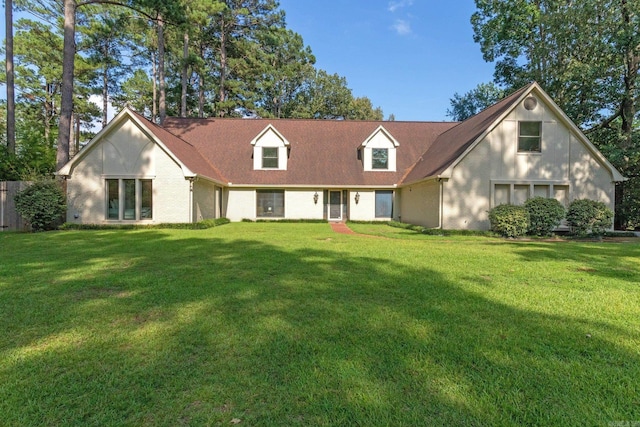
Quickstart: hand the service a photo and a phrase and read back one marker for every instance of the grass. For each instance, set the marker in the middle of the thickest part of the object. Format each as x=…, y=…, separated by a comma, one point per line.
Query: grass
x=292, y=324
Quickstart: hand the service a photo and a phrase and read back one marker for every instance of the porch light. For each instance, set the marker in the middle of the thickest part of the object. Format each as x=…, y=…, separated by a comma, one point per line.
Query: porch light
x=357, y=198
x=315, y=198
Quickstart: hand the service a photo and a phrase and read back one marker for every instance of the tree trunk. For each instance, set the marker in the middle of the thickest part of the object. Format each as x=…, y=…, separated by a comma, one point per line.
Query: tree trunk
x=154, y=71
x=632, y=65
x=162, y=107
x=11, y=98
x=66, y=103
x=105, y=95
x=223, y=68
x=201, y=87
x=185, y=76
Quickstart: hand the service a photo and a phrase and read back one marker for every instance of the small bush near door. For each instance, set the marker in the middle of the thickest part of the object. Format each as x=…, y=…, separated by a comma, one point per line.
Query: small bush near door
x=509, y=220
x=544, y=215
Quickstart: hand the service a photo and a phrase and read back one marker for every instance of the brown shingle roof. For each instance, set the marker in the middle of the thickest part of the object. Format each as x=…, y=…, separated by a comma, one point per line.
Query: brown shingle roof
x=322, y=152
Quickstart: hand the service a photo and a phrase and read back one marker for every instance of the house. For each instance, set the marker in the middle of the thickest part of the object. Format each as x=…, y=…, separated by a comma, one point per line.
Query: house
x=434, y=174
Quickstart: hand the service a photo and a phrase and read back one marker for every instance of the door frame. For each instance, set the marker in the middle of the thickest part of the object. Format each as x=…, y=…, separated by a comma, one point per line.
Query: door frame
x=340, y=206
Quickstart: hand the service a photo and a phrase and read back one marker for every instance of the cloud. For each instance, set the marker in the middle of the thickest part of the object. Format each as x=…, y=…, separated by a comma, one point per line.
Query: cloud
x=395, y=5
x=402, y=27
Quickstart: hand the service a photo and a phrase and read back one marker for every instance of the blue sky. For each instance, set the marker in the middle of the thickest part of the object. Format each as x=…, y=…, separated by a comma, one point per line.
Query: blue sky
x=408, y=56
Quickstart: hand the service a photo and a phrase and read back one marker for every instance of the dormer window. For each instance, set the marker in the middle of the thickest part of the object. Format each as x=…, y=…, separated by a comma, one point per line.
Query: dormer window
x=270, y=150
x=270, y=157
x=379, y=151
x=380, y=158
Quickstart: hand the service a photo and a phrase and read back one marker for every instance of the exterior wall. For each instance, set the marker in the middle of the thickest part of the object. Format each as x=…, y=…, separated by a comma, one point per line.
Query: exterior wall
x=365, y=209
x=241, y=204
x=299, y=204
x=495, y=172
x=126, y=152
x=420, y=204
x=204, y=200
x=589, y=179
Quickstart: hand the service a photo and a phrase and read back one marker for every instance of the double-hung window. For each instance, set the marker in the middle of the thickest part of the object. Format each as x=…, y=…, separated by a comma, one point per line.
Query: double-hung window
x=379, y=158
x=529, y=137
x=269, y=157
x=129, y=199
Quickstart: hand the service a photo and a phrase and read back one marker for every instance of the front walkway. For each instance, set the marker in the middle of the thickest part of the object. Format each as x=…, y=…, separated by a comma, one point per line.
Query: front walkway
x=341, y=227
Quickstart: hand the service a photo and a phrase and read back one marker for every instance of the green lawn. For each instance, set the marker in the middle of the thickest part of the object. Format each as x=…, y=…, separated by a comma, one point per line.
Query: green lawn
x=292, y=324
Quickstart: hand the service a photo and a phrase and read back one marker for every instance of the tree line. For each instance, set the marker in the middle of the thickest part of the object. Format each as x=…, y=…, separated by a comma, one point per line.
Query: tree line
x=187, y=58
x=586, y=55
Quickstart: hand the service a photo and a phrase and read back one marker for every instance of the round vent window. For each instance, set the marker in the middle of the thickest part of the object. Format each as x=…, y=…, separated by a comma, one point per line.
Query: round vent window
x=530, y=103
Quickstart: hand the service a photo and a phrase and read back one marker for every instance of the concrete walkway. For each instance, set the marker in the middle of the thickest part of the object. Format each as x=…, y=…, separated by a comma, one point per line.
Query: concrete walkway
x=341, y=227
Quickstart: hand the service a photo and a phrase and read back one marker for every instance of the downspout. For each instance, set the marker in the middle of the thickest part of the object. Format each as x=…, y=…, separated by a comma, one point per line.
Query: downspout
x=191, y=179
x=440, y=216
x=2, y=201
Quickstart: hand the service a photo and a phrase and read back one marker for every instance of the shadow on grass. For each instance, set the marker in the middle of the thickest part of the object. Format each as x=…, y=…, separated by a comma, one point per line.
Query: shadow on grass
x=146, y=328
x=607, y=260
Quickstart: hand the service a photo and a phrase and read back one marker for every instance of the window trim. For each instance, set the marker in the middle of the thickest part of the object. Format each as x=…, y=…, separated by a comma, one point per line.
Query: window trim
x=140, y=211
x=386, y=192
x=373, y=159
x=275, y=208
x=521, y=137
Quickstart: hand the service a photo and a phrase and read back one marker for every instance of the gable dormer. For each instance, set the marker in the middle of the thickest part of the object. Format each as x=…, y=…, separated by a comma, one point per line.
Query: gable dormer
x=379, y=151
x=270, y=150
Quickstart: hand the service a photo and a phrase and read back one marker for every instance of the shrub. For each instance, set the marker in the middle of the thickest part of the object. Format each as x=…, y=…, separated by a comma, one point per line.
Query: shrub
x=42, y=204
x=589, y=216
x=509, y=220
x=544, y=215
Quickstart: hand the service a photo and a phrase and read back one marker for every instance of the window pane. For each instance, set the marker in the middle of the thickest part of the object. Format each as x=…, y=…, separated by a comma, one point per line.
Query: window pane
x=129, y=198
x=529, y=128
x=270, y=203
x=384, y=204
x=380, y=158
x=146, y=189
x=269, y=157
x=529, y=136
x=113, y=199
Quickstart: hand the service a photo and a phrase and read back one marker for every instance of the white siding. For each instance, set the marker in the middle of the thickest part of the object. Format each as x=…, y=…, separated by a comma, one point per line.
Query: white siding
x=298, y=204
x=204, y=200
x=420, y=204
x=241, y=204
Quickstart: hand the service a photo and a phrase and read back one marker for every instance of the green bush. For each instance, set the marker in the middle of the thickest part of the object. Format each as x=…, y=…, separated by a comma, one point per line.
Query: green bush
x=200, y=225
x=42, y=205
x=509, y=220
x=544, y=215
x=589, y=216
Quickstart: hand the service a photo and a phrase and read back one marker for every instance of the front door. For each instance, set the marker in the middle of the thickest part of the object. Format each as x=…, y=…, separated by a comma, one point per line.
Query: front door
x=335, y=205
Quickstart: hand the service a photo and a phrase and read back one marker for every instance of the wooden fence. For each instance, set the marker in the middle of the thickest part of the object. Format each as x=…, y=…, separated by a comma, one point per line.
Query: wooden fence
x=9, y=218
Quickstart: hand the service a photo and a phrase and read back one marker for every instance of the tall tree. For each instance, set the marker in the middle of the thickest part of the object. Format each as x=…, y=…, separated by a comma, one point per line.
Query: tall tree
x=11, y=97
